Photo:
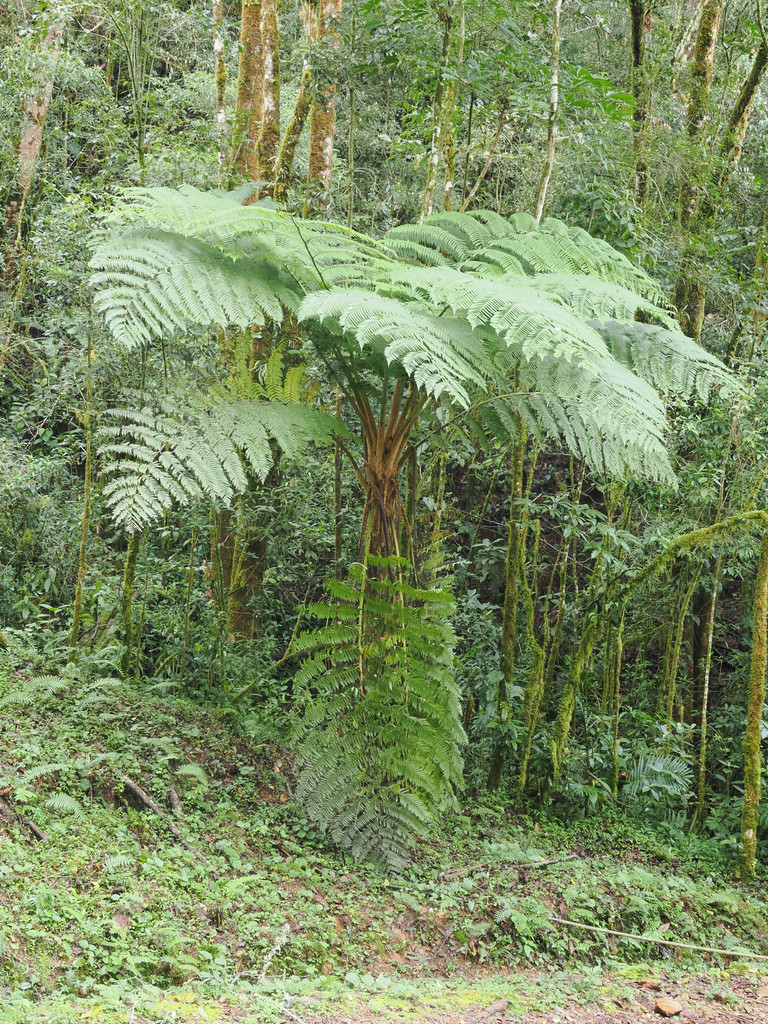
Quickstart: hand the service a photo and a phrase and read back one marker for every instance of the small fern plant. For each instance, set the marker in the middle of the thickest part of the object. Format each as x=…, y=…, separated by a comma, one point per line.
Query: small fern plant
x=380, y=733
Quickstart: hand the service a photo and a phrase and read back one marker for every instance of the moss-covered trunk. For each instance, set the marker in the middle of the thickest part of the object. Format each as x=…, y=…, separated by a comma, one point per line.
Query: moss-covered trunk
x=554, y=102
x=512, y=570
x=269, y=133
x=291, y=136
x=249, y=101
x=639, y=18
x=445, y=18
x=755, y=702
x=322, y=121
x=220, y=79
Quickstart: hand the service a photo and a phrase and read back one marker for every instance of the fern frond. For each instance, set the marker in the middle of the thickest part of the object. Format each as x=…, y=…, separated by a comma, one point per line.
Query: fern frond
x=184, y=447
x=66, y=804
x=667, y=359
x=380, y=734
x=442, y=355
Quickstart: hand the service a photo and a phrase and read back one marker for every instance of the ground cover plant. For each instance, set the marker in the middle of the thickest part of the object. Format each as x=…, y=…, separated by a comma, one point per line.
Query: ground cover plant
x=223, y=888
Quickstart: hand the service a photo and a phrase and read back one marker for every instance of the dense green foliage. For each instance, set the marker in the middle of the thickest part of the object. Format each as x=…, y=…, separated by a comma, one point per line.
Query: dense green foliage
x=306, y=419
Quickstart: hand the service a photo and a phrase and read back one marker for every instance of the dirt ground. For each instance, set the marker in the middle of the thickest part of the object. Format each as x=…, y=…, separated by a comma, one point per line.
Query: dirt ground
x=706, y=999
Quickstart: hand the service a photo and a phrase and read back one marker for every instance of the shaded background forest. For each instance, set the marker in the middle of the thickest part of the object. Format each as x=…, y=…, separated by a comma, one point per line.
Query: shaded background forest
x=655, y=143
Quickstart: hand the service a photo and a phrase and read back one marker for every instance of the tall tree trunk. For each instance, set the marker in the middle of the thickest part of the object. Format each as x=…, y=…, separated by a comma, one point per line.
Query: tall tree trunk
x=445, y=18
x=322, y=120
x=512, y=570
x=701, y=802
x=243, y=553
x=220, y=78
x=639, y=17
x=451, y=101
x=735, y=132
x=126, y=598
x=81, y=560
x=554, y=98
x=269, y=134
x=691, y=287
x=35, y=112
x=755, y=701
x=291, y=136
x=249, y=102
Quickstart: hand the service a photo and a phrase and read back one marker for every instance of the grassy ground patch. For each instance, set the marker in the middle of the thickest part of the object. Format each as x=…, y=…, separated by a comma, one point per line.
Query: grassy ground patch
x=105, y=910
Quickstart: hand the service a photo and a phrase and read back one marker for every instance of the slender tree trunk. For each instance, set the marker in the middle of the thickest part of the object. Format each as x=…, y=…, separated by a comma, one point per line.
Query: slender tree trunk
x=755, y=701
x=35, y=112
x=512, y=566
x=249, y=102
x=81, y=560
x=449, y=129
x=352, y=121
x=489, y=157
x=287, y=152
x=126, y=599
x=269, y=134
x=322, y=120
x=220, y=78
x=733, y=138
x=701, y=802
x=445, y=18
x=691, y=287
x=554, y=97
x=674, y=661
x=639, y=16
x=337, y=459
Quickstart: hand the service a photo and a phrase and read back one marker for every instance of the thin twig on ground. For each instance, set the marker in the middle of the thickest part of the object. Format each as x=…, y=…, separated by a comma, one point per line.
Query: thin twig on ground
x=660, y=942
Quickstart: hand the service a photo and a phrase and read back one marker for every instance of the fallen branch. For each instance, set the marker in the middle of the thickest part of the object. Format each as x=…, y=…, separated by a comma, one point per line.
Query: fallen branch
x=147, y=800
x=175, y=801
x=36, y=831
x=660, y=942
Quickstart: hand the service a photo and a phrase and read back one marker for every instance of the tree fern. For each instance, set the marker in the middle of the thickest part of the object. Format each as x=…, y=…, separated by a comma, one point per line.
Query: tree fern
x=460, y=305
x=380, y=733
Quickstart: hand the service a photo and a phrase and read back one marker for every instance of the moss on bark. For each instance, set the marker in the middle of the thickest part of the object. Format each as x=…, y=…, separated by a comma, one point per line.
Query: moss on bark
x=755, y=701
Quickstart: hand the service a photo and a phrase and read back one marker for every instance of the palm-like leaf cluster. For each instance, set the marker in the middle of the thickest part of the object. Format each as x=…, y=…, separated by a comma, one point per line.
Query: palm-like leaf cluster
x=510, y=321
